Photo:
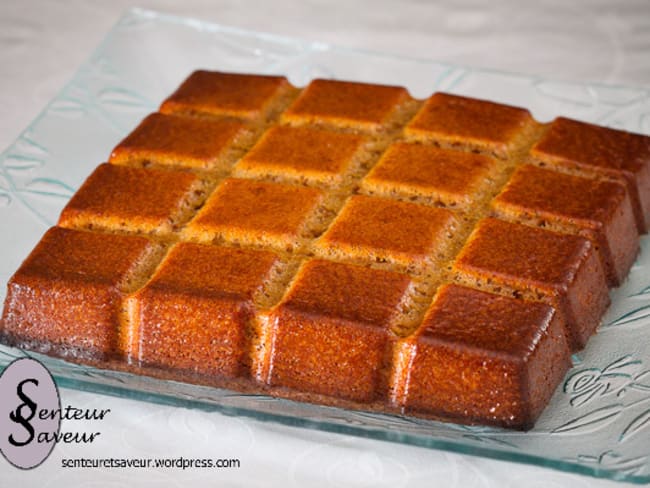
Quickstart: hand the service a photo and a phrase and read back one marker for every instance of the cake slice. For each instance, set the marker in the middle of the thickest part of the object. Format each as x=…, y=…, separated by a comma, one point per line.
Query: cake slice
x=590, y=149
x=195, y=314
x=255, y=213
x=185, y=142
x=563, y=270
x=378, y=230
x=141, y=200
x=431, y=175
x=304, y=155
x=482, y=357
x=219, y=94
x=597, y=209
x=348, y=105
x=331, y=333
x=65, y=299
x=468, y=123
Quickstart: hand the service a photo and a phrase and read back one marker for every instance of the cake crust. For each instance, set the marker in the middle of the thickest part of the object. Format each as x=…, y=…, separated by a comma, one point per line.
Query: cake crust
x=331, y=333
x=66, y=296
x=378, y=229
x=133, y=199
x=315, y=156
x=245, y=212
x=216, y=288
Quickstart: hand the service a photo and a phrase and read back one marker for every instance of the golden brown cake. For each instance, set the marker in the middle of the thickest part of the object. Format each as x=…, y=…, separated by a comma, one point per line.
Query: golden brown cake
x=331, y=334
x=254, y=212
x=588, y=149
x=172, y=140
x=469, y=123
x=341, y=244
x=344, y=104
x=487, y=357
x=303, y=154
x=65, y=299
x=379, y=229
x=133, y=199
x=430, y=175
x=562, y=269
x=596, y=209
x=216, y=93
x=217, y=289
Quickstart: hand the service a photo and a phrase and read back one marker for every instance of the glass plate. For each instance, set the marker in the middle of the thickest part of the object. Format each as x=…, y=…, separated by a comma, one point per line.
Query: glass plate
x=598, y=422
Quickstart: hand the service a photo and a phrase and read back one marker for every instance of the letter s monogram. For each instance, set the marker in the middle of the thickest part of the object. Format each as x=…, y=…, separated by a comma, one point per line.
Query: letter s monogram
x=17, y=415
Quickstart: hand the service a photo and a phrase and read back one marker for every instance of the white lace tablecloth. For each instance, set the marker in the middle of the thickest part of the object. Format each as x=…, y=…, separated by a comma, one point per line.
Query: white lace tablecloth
x=41, y=45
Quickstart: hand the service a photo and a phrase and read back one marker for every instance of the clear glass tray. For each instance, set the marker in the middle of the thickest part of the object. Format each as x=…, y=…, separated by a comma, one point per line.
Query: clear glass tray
x=598, y=422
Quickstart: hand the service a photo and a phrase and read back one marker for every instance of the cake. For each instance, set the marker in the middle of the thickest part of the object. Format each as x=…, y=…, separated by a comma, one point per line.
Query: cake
x=342, y=244
x=590, y=150
x=218, y=289
x=483, y=356
x=561, y=269
x=304, y=155
x=134, y=200
x=431, y=175
x=176, y=141
x=454, y=121
x=599, y=210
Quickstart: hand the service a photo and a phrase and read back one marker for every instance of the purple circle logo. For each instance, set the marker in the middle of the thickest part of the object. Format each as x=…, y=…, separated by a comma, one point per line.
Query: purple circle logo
x=30, y=413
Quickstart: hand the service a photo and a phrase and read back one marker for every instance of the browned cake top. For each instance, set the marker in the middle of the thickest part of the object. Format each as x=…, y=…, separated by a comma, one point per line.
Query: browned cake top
x=452, y=118
x=346, y=104
x=125, y=193
x=218, y=93
x=302, y=151
x=523, y=253
x=248, y=205
x=171, y=139
x=71, y=255
x=196, y=269
x=347, y=292
x=551, y=194
x=465, y=317
x=587, y=144
x=379, y=226
x=453, y=177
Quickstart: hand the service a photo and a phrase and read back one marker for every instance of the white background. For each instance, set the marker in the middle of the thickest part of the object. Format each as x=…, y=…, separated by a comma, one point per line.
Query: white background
x=43, y=42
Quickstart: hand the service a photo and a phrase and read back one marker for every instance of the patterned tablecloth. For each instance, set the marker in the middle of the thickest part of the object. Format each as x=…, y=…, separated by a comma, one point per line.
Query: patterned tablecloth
x=41, y=45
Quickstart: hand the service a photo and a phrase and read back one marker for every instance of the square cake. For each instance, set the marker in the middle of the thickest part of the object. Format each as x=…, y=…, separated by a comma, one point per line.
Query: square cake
x=331, y=334
x=66, y=298
x=217, y=288
x=431, y=175
x=185, y=142
x=590, y=149
x=493, y=358
x=456, y=121
x=219, y=94
x=561, y=269
x=342, y=244
x=303, y=154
